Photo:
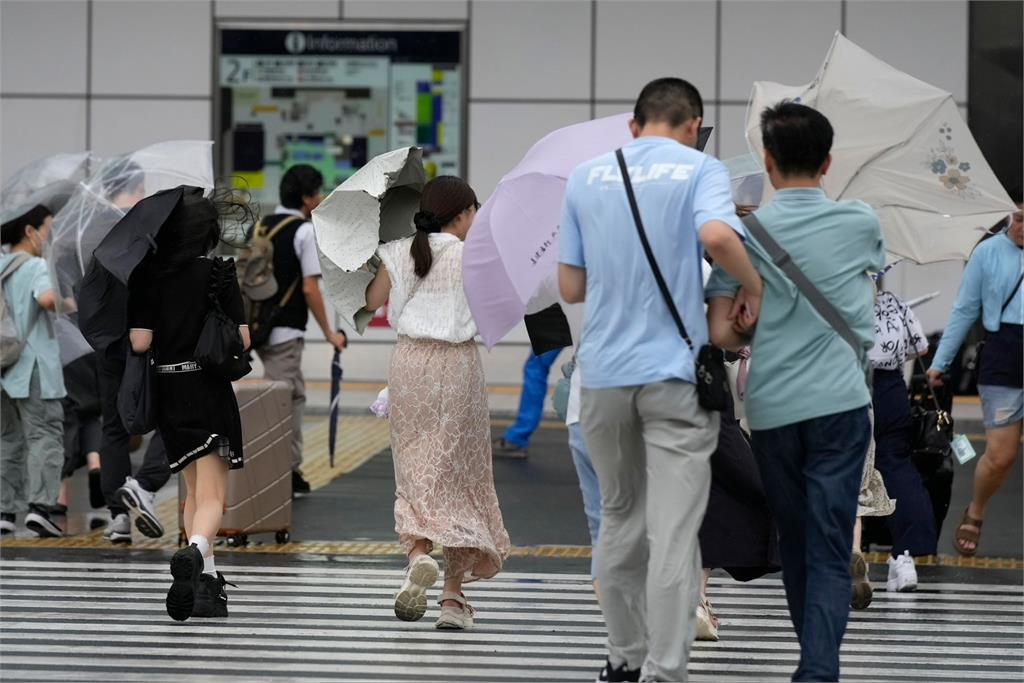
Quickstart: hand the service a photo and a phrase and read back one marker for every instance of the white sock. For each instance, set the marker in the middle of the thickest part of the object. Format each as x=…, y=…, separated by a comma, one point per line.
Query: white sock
x=208, y=566
x=201, y=542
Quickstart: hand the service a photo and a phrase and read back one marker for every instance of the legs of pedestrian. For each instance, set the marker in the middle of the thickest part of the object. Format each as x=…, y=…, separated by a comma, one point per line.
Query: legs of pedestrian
x=12, y=465
x=43, y=423
x=812, y=472
x=863, y=593
x=1002, y=447
x=283, y=363
x=590, y=489
x=531, y=405
x=117, y=466
x=138, y=494
x=652, y=507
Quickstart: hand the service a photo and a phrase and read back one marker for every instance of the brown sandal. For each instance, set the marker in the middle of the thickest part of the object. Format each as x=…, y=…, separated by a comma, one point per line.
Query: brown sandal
x=964, y=534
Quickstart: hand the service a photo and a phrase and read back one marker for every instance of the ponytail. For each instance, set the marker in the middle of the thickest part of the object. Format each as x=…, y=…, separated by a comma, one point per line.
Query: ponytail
x=422, y=256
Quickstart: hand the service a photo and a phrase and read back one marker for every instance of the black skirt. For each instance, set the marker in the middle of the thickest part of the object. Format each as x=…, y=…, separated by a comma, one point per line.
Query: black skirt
x=198, y=415
x=738, y=533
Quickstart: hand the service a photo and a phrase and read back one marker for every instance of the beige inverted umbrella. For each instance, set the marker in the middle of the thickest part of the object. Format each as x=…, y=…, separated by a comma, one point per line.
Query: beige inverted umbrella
x=374, y=206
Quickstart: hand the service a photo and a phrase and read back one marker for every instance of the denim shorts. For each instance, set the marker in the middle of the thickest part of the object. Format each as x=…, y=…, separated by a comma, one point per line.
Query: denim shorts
x=1001, y=406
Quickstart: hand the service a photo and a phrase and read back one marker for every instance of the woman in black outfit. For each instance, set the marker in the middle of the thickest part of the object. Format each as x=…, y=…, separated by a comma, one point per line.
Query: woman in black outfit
x=196, y=410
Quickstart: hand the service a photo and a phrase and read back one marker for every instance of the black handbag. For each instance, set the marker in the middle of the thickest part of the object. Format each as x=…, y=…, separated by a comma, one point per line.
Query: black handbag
x=712, y=380
x=219, y=349
x=136, y=397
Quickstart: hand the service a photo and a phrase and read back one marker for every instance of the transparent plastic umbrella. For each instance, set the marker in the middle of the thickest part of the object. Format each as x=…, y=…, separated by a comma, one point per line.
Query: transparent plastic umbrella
x=49, y=181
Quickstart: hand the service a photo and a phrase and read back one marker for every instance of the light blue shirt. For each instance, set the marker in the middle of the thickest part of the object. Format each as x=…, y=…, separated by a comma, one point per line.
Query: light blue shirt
x=800, y=368
x=21, y=290
x=990, y=275
x=629, y=337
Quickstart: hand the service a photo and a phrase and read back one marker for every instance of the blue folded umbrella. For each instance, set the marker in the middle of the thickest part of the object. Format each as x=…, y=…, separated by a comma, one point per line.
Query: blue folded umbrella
x=336, y=374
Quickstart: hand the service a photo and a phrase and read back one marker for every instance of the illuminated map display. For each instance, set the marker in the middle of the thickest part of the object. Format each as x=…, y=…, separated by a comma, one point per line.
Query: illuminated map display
x=334, y=99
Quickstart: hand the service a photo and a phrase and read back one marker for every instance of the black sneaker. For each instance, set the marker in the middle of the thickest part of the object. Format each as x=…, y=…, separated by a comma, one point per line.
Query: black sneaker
x=186, y=568
x=38, y=520
x=619, y=673
x=96, y=499
x=300, y=487
x=8, y=523
x=58, y=510
x=211, y=598
x=504, y=449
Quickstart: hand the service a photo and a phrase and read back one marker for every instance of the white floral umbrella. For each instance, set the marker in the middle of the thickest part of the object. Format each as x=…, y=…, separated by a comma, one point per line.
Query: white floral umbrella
x=374, y=206
x=901, y=146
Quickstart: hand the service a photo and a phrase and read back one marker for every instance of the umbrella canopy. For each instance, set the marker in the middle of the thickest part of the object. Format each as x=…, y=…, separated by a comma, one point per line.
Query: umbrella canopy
x=375, y=205
x=512, y=248
x=49, y=181
x=901, y=146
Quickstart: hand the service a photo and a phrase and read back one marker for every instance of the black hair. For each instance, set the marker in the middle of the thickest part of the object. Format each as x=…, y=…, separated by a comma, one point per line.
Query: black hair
x=798, y=137
x=1017, y=194
x=444, y=198
x=13, y=231
x=669, y=100
x=121, y=176
x=299, y=182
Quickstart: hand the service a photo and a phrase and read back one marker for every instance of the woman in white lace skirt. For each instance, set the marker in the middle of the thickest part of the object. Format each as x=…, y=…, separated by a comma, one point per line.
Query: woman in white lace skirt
x=440, y=422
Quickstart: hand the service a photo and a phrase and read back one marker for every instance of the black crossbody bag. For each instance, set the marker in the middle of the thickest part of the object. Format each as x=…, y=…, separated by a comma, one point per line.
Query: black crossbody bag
x=712, y=380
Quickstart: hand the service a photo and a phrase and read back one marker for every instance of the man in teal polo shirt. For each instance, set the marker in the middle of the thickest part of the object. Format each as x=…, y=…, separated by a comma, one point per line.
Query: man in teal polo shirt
x=30, y=408
x=806, y=397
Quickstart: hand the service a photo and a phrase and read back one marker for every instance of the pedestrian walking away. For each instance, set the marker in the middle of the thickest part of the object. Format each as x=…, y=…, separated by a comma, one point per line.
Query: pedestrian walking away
x=991, y=290
x=649, y=439
x=32, y=384
x=169, y=298
x=806, y=393
x=440, y=421
x=515, y=442
x=279, y=320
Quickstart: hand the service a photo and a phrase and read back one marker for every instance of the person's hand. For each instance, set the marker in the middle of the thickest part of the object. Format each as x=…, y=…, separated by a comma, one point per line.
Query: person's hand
x=934, y=377
x=745, y=209
x=338, y=340
x=746, y=308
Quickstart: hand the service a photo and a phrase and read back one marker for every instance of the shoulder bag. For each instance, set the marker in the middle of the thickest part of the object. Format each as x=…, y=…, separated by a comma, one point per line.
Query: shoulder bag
x=219, y=349
x=712, y=381
x=136, y=397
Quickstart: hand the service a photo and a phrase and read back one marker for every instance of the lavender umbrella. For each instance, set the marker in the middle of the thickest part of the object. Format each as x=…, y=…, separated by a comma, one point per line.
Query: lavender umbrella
x=513, y=245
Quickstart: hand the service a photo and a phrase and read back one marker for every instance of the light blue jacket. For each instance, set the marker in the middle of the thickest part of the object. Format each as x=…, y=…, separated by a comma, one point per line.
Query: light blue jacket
x=990, y=275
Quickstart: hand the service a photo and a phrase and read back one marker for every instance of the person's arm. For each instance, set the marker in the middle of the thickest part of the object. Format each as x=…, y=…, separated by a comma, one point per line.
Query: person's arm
x=572, y=283
x=47, y=300
x=315, y=301
x=141, y=340
x=379, y=289
x=721, y=329
x=966, y=310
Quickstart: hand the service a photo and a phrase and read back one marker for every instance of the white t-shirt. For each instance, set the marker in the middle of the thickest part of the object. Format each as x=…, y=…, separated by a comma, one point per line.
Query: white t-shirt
x=305, y=249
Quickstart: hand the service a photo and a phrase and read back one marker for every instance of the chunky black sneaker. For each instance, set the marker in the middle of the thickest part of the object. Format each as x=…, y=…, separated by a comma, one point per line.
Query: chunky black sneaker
x=38, y=520
x=211, y=598
x=186, y=568
x=8, y=523
x=300, y=487
x=618, y=673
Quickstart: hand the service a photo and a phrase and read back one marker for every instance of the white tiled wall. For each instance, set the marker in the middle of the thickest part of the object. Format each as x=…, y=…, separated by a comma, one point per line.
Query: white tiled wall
x=534, y=65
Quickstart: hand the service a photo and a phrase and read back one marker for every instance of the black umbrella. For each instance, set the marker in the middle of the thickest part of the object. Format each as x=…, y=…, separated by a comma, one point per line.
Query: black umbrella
x=134, y=236
x=548, y=330
x=102, y=307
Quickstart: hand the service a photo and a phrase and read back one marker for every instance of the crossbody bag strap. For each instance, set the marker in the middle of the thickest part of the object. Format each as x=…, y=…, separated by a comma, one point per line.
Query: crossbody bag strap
x=781, y=258
x=648, y=252
x=1012, y=294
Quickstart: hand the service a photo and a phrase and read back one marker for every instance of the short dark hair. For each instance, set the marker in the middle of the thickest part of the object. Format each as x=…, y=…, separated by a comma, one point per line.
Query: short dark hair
x=798, y=137
x=300, y=181
x=13, y=230
x=669, y=100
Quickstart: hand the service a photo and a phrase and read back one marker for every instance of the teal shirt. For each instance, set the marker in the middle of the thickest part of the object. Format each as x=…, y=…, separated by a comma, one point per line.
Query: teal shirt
x=21, y=290
x=800, y=368
x=988, y=279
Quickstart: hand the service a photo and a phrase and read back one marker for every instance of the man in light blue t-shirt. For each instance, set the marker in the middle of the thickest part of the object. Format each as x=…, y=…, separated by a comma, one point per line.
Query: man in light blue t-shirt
x=649, y=440
x=806, y=396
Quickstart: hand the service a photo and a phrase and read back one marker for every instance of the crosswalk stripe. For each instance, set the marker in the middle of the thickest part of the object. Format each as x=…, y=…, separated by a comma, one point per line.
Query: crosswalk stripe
x=309, y=621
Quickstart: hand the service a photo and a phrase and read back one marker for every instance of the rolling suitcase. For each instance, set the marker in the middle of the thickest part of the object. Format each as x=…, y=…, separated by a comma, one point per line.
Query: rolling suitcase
x=259, y=496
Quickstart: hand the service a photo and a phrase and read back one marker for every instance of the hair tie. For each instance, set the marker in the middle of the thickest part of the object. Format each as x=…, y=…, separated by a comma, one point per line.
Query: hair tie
x=426, y=221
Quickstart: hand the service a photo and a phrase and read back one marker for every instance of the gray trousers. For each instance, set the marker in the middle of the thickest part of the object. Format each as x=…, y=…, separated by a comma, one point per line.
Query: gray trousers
x=32, y=447
x=283, y=363
x=651, y=446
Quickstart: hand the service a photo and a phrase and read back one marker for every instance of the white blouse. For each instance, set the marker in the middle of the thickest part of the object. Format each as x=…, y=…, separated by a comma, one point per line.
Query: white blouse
x=438, y=308
x=898, y=333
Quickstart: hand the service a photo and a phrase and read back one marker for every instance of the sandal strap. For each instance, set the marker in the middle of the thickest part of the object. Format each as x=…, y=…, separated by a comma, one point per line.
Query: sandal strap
x=970, y=521
x=459, y=598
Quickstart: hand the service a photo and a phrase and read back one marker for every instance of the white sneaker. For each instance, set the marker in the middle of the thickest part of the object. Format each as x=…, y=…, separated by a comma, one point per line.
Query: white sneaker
x=411, y=599
x=119, y=531
x=707, y=622
x=902, y=574
x=143, y=503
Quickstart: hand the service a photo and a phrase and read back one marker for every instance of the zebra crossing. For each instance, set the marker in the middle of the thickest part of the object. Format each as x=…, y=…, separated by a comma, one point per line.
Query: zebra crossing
x=88, y=621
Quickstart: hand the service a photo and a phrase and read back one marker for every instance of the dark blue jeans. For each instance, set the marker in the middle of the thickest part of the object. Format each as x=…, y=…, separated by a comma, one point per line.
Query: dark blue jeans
x=531, y=401
x=811, y=472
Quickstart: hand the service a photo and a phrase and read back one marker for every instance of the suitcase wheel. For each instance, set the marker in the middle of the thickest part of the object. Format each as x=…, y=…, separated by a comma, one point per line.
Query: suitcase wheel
x=283, y=537
x=237, y=540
